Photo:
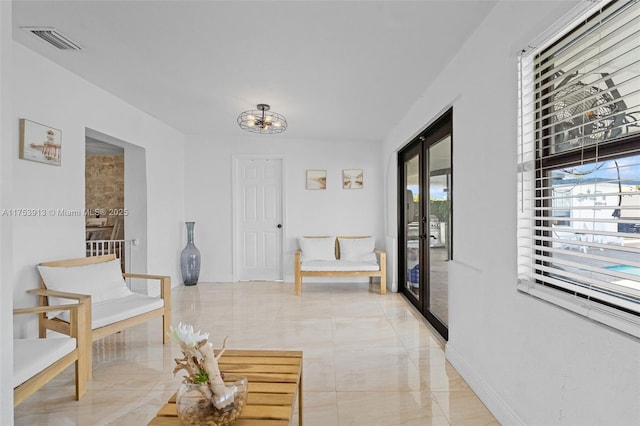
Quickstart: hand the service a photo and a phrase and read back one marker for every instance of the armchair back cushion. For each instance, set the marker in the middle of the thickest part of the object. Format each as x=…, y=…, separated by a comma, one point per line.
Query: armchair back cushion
x=102, y=281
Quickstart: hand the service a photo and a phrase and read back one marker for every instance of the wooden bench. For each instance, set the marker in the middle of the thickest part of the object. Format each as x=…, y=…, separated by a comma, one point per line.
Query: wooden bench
x=119, y=308
x=333, y=265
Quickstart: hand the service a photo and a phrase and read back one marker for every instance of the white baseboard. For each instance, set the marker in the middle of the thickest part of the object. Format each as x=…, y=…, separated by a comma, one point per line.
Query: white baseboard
x=487, y=394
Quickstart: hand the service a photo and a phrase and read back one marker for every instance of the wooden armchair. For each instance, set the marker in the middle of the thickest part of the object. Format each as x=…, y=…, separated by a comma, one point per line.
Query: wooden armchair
x=113, y=306
x=37, y=361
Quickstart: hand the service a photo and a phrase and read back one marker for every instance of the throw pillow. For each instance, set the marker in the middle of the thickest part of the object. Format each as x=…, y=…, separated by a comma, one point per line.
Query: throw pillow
x=357, y=249
x=317, y=248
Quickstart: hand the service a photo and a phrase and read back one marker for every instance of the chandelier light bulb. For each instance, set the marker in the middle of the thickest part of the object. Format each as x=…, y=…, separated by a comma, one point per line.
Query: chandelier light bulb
x=262, y=120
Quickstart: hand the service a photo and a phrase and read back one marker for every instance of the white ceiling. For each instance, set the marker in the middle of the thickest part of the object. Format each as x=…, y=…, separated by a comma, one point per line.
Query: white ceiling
x=338, y=70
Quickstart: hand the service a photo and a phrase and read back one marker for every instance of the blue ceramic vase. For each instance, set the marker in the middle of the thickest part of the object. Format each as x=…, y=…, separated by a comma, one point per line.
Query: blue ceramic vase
x=190, y=259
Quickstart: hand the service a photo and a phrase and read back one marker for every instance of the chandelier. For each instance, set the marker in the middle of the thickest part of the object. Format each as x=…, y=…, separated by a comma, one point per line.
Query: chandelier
x=262, y=120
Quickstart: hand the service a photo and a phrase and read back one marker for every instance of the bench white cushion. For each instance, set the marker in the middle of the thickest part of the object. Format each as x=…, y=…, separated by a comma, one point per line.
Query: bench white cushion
x=338, y=265
x=317, y=248
x=357, y=249
x=31, y=356
x=110, y=311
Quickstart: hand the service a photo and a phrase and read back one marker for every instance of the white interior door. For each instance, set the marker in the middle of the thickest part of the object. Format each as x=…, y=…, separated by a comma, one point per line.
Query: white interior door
x=258, y=215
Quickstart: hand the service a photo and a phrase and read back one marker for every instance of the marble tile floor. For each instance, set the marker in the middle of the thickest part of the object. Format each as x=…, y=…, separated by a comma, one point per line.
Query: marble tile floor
x=368, y=359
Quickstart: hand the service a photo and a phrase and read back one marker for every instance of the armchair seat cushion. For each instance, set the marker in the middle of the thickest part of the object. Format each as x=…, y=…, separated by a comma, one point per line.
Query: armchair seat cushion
x=31, y=356
x=108, y=312
x=114, y=310
x=338, y=265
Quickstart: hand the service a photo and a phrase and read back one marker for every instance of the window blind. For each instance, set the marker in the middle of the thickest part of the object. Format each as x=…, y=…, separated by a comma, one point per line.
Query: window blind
x=579, y=167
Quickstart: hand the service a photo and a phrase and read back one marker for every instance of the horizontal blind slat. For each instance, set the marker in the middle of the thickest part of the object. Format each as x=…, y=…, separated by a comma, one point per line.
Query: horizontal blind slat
x=545, y=80
x=606, y=14
x=582, y=284
x=543, y=70
x=576, y=289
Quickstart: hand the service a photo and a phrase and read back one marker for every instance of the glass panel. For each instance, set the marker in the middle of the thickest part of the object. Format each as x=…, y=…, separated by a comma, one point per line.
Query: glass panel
x=412, y=224
x=439, y=227
x=595, y=239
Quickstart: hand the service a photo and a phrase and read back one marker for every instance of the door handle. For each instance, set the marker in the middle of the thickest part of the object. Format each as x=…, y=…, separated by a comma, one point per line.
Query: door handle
x=279, y=225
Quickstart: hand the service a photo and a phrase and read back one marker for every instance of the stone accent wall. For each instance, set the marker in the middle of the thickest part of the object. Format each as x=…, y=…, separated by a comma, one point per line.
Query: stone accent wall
x=104, y=186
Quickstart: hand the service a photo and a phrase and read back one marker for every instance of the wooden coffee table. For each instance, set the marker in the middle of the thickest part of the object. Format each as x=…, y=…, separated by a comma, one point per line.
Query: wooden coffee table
x=275, y=379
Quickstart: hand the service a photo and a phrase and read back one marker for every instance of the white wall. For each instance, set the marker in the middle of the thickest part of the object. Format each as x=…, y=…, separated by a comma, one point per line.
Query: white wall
x=530, y=362
x=334, y=211
x=6, y=154
x=46, y=93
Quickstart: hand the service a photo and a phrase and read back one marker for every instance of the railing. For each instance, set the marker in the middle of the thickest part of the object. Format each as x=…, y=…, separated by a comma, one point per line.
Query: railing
x=121, y=248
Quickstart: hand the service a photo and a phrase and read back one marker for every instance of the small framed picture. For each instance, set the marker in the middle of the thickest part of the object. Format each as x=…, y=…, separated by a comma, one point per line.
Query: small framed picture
x=352, y=179
x=40, y=143
x=316, y=179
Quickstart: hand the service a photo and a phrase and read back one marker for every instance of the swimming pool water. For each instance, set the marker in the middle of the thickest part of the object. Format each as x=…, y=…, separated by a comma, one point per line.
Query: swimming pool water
x=625, y=268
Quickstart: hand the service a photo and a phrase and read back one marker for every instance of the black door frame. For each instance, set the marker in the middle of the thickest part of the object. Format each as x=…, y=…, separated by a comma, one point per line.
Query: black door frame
x=434, y=133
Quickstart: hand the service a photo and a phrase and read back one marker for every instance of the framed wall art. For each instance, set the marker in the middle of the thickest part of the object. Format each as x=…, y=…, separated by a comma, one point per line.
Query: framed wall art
x=316, y=179
x=352, y=179
x=40, y=143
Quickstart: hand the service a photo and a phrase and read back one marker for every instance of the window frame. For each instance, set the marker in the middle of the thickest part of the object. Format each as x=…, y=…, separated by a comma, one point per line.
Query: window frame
x=538, y=166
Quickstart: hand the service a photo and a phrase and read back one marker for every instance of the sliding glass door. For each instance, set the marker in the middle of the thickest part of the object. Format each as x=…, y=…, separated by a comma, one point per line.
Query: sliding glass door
x=425, y=195
x=412, y=232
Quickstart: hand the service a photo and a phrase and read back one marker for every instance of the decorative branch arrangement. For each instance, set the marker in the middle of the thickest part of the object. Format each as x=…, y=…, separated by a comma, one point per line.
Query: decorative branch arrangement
x=201, y=365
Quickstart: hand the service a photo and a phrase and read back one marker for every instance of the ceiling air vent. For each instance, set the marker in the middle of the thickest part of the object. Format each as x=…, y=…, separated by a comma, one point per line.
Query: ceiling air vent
x=53, y=37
